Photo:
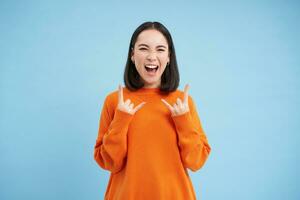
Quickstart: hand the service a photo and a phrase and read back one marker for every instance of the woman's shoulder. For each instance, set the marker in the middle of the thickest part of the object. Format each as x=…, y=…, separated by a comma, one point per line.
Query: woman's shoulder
x=113, y=96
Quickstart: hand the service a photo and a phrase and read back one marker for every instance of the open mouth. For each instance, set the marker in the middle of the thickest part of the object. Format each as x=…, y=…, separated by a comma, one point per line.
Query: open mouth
x=151, y=68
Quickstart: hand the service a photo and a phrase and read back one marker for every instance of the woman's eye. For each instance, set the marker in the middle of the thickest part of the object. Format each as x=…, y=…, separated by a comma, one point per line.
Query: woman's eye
x=144, y=49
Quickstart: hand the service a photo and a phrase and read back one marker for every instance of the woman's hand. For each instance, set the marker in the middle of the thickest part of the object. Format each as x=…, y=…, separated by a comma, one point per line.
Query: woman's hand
x=179, y=107
x=127, y=106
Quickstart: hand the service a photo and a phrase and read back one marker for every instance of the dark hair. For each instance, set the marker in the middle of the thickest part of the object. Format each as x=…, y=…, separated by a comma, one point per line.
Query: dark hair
x=170, y=77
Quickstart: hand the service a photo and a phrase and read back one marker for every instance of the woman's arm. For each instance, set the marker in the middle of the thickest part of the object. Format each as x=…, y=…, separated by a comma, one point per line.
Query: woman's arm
x=193, y=144
x=111, y=145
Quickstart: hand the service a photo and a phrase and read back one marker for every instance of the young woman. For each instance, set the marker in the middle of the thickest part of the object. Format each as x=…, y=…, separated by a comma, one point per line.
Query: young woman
x=149, y=131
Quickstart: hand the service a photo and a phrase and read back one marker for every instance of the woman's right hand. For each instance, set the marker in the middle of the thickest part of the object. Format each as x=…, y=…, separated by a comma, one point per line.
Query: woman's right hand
x=127, y=106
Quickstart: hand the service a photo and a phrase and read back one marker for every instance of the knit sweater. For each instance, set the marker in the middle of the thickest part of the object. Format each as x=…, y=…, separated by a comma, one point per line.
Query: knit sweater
x=148, y=153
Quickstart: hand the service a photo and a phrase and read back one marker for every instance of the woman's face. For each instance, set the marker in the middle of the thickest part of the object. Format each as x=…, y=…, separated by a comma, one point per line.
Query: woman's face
x=150, y=55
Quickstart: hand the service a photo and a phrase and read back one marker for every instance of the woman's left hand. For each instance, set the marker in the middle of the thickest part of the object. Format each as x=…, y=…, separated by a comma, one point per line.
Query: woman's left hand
x=180, y=107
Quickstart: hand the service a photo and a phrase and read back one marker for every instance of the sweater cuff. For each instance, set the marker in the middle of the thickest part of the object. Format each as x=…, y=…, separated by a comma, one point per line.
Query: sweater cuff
x=122, y=118
x=183, y=123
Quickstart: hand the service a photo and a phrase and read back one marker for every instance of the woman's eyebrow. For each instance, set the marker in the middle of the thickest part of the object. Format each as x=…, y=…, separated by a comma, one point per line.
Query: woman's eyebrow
x=163, y=46
x=143, y=45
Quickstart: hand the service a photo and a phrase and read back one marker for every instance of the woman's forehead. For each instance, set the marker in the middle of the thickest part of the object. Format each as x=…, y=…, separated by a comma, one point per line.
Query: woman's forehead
x=151, y=38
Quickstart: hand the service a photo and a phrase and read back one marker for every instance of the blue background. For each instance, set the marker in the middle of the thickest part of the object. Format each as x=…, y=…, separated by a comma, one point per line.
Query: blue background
x=59, y=59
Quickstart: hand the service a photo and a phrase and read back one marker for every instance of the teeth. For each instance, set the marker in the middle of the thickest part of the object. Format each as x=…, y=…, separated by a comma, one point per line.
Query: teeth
x=151, y=66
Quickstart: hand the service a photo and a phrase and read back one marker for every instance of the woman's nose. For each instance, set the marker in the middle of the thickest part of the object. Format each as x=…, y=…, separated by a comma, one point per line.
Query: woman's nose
x=151, y=56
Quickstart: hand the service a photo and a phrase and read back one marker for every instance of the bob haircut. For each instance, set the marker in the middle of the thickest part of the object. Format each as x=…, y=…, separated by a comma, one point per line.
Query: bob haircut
x=170, y=77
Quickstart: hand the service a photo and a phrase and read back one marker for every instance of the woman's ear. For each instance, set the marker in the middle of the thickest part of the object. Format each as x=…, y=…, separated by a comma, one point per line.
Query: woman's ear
x=132, y=55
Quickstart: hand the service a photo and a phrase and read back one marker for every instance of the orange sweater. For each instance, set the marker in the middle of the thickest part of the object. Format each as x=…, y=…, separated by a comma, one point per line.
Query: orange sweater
x=148, y=153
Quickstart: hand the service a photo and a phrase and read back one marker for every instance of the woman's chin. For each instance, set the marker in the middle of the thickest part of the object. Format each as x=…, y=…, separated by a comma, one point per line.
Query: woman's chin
x=151, y=83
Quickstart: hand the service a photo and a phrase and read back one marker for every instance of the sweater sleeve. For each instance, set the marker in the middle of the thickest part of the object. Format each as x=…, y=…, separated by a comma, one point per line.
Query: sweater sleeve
x=110, y=149
x=192, y=141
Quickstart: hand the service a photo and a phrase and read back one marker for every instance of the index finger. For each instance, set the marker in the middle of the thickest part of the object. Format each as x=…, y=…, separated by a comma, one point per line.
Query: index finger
x=186, y=95
x=120, y=94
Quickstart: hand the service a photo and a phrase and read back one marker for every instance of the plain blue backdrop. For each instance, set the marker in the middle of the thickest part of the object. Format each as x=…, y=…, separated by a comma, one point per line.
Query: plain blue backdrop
x=59, y=59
